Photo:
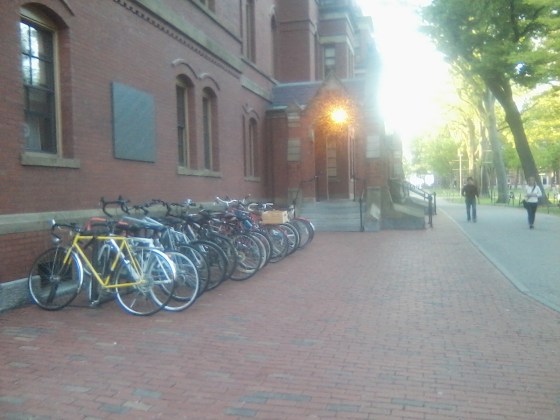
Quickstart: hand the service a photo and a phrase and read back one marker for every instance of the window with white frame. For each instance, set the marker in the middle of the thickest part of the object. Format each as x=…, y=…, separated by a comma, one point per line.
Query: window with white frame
x=332, y=168
x=329, y=59
x=38, y=43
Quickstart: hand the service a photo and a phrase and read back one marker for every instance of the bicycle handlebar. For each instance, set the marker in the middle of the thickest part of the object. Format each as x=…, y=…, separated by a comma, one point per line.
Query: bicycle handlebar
x=226, y=201
x=235, y=202
x=120, y=201
x=54, y=226
x=259, y=206
x=71, y=226
x=76, y=228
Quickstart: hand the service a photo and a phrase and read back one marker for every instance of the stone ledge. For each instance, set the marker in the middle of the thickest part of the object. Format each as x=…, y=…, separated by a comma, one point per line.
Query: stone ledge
x=45, y=159
x=14, y=294
x=32, y=222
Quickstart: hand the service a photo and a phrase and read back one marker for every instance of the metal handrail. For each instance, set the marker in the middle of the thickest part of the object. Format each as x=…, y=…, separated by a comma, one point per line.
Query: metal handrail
x=294, y=201
x=361, y=201
x=431, y=197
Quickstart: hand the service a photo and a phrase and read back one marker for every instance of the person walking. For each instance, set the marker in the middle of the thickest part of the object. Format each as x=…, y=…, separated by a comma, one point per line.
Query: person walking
x=532, y=195
x=470, y=192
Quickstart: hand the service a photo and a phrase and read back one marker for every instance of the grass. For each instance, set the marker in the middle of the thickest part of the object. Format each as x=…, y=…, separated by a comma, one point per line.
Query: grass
x=454, y=196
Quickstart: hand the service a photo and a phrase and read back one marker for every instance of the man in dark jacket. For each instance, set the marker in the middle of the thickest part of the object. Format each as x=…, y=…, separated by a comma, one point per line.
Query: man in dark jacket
x=470, y=192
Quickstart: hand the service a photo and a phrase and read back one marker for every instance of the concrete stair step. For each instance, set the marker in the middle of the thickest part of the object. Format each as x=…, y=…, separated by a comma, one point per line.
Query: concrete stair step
x=333, y=215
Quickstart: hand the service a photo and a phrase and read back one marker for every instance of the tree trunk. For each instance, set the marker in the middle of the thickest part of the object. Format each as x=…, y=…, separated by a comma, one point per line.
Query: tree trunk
x=472, y=143
x=496, y=145
x=501, y=89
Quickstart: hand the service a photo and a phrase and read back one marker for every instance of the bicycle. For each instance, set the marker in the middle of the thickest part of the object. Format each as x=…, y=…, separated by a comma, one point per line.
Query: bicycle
x=214, y=259
x=305, y=228
x=191, y=267
x=197, y=228
x=142, y=278
x=247, y=247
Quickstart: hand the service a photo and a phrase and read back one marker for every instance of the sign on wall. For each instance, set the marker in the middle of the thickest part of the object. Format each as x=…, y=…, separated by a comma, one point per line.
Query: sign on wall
x=133, y=124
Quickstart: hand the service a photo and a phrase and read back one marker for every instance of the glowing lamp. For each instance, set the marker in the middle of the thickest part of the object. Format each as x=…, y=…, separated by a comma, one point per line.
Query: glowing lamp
x=339, y=115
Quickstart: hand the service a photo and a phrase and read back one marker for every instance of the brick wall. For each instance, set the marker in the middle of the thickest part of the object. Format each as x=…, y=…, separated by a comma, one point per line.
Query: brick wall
x=18, y=252
x=113, y=41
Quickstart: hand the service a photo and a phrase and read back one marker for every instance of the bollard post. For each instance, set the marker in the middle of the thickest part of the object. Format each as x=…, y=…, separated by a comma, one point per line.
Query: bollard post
x=430, y=210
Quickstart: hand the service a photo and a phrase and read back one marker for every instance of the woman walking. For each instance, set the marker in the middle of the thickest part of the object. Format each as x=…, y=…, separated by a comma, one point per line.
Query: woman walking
x=532, y=194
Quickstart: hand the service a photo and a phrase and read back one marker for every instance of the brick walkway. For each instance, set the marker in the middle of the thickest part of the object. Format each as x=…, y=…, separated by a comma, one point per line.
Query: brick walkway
x=388, y=325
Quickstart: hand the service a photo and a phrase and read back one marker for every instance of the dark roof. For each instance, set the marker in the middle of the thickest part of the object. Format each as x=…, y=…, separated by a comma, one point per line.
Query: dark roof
x=301, y=93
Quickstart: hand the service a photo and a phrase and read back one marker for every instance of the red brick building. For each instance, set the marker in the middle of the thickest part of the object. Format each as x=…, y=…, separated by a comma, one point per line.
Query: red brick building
x=181, y=99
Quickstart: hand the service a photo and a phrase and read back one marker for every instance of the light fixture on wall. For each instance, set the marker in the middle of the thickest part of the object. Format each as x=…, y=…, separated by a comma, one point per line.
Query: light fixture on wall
x=339, y=115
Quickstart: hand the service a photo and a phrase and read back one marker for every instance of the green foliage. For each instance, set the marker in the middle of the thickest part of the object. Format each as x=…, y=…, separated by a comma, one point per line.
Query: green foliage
x=505, y=43
x=511, y=158
x=513, y=38
x=542, y=124
x=436, y=154
x=542, y=115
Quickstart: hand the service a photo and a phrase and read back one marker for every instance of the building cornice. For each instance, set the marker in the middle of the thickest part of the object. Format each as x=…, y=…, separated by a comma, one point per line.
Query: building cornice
x=161, y=17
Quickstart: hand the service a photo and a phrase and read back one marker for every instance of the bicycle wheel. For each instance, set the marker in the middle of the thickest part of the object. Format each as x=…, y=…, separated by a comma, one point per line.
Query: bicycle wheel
x=249, y=256
x=292, y=234
x=264, y=246
x=279, y=241
x=201, y=264
x=267, y=243
x=53, y=283
x=227, y=247
x=146, y=292
x=187, y=283
x=216, y=259
x=305, y=231
x=310, y=227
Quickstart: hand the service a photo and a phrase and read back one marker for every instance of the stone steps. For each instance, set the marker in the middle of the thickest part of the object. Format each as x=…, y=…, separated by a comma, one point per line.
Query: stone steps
x=333, y=215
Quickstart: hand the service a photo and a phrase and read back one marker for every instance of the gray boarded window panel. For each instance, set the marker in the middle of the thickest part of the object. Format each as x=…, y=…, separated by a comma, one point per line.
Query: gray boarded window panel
x=294, y=150
x=133, y=124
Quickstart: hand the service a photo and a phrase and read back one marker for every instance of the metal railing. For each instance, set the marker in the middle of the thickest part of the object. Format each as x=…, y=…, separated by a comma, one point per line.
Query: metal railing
x=300, y=188
x=430, y=197
x=360, y=200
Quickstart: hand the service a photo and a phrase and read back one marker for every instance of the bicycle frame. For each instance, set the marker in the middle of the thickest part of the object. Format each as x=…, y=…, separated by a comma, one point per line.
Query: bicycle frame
x=120, y=244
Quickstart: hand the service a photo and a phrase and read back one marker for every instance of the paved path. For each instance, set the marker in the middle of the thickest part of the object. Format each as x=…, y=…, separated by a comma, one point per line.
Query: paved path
x=529, y=258
x=386, y=325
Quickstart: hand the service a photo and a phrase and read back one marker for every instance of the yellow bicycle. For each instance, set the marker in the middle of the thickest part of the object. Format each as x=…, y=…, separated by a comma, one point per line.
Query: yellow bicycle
x=141, y=277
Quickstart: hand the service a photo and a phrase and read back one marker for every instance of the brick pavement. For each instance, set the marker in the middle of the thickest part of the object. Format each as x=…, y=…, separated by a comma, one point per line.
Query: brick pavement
x=387, y=325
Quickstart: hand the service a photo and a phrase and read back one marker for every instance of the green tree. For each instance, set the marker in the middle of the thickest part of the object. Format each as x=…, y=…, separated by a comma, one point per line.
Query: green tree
x=504, y=42
x=481, y=138
x=542, y=123
x=437, y=154
x=496, y=146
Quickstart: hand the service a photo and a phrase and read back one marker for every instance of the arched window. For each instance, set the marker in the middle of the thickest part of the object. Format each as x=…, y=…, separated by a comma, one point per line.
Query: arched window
x=274, y=32
x=45, y=55
x=186, y=140
x=251, y=149
x=250, y=43
x=38, y=52
x=209, y=130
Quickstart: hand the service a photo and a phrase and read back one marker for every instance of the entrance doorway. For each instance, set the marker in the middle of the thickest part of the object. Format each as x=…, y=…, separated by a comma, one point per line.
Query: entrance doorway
x=334, y=166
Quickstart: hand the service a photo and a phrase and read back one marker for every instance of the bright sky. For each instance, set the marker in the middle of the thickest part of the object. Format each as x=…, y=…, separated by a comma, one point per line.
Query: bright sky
x=414, y=82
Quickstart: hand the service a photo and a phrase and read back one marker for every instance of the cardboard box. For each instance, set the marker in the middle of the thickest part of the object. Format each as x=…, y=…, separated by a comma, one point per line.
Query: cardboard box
x=274, y=217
